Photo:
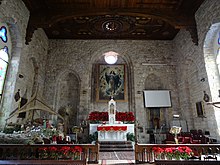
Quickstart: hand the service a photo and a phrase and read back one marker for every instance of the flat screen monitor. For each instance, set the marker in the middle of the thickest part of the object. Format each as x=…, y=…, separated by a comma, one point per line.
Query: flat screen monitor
x=157, y=98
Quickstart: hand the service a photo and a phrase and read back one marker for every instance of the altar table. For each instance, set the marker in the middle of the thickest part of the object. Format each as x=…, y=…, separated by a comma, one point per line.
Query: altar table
x=111, y=128
x=112, y=132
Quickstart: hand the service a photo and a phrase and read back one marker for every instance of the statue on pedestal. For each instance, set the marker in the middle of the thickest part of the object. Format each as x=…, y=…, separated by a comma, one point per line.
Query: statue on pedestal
x=112, y=111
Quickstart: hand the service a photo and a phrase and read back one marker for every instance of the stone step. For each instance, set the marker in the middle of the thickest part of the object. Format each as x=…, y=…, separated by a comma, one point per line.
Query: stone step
x=115, y=142
x=116, y=146
x=109, y=146
x=115, y=149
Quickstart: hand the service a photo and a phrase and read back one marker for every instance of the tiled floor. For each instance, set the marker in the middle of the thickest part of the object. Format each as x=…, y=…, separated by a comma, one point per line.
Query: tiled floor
x=116, y=155
x=116, y=158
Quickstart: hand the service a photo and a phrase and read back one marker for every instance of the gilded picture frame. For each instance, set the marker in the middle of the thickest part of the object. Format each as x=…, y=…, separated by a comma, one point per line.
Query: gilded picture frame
x=111, y=82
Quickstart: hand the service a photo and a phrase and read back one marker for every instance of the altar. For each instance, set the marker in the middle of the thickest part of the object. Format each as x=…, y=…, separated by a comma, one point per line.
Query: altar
x=112, y=130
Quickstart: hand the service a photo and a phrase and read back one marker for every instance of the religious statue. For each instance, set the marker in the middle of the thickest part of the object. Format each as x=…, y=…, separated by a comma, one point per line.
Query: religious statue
x=112, y=111
x=112, y=108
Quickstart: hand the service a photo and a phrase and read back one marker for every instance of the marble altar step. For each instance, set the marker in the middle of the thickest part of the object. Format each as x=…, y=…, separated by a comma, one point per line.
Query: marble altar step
x=109, y=146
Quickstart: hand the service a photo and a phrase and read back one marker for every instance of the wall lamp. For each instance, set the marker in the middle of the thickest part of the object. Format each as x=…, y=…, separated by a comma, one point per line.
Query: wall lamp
x=111, y=57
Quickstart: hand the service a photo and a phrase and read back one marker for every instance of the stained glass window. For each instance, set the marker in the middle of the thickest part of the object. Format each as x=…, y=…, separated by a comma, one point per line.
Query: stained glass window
x=3, y=34
x=3, y=67
x=219, y=38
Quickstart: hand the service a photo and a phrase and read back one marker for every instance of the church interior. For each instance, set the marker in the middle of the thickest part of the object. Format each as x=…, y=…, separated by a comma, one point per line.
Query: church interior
x=161, y=85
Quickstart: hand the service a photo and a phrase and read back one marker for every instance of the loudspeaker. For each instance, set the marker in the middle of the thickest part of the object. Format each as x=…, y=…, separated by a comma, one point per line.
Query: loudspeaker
x=200, y=109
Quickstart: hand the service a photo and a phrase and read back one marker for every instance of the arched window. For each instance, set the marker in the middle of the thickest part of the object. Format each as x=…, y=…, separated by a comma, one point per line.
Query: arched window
x=4, y=56
x=218, y=59
x=3, y=67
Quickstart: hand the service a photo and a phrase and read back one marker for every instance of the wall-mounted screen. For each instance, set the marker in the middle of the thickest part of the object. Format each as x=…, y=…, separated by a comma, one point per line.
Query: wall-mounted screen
x=157, y=98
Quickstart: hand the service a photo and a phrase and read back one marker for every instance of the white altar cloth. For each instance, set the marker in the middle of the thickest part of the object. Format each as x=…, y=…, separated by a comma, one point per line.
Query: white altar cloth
x=112, y=135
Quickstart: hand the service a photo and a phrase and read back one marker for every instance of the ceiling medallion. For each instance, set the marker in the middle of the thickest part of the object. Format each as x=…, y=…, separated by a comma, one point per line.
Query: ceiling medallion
x=111, y=26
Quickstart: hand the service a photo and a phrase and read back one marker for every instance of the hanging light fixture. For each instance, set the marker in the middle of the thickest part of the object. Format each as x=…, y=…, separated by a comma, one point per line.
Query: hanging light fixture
x=111, y=57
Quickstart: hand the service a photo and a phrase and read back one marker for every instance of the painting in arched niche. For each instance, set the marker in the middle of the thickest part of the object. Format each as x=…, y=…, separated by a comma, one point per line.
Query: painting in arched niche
x=68, y=99
x=154, y=115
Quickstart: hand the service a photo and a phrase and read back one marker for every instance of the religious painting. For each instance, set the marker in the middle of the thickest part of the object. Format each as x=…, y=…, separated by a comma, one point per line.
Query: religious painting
x=111, y=82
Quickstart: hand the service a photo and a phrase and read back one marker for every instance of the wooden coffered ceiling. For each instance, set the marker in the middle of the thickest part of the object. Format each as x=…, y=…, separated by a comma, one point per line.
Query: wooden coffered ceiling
x=112, y=19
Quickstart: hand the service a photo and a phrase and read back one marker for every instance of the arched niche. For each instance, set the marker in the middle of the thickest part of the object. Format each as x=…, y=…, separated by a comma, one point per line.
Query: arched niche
x=123, y=59
x=153, y=115
x=67, y=98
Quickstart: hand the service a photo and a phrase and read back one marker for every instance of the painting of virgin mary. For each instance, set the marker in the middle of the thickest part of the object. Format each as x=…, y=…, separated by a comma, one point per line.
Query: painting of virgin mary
x=111, y=82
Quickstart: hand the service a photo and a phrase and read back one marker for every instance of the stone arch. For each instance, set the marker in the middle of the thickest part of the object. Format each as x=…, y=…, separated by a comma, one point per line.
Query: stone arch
x=187, y=104
x=98, y=58
x=212, y=73
x=154, y=115
x=16, y=41
x=210, y=60
x=67, y=97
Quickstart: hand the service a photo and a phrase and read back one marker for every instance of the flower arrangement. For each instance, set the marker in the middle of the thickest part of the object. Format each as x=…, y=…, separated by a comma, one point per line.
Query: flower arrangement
x=96, y=117
x=181, y=152
x=64, y=152
x=125, y=117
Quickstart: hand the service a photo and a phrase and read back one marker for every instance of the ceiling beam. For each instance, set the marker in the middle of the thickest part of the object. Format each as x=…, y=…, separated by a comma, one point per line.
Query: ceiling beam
x=46, y=19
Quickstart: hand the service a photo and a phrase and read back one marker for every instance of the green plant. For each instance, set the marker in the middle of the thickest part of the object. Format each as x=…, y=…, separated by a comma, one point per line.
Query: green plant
x=8, y=130
x=130, y=137
x=93, y=137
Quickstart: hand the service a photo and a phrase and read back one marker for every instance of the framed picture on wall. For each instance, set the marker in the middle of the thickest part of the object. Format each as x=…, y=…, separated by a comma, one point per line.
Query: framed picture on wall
x=111, y=82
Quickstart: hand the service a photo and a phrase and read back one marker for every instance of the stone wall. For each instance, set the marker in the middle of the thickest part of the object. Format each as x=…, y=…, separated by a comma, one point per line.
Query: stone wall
x=24, y=58
x=176, y=65
x=79, y=56
x=191, y=69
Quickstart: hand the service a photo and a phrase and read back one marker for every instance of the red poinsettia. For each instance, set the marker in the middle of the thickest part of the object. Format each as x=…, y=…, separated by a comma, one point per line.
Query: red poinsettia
x=181, y=152
x=63, y=152
x=157, y=150
x=125, y=116
x=97, y=116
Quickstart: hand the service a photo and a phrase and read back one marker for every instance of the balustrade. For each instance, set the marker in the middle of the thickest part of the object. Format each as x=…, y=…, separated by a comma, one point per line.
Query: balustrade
x=205, y=153
x=25, y=154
